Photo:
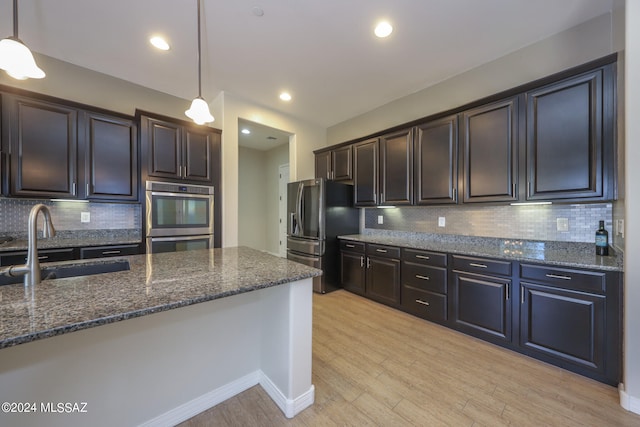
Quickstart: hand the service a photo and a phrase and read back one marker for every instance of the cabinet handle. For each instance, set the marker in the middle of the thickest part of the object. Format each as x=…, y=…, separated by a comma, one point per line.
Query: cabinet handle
x=361, y=261
x=419, y=301
x=506, y=291
x=521, y=294
x=529, y=188
x=514, y=190
x=110, y=252
x=418, y=276
x=350, y=246
x=455, y=194
x=422, y=257
x=41, y=257
x=557, y=276
x=384, y=251
x=375, y=198
x=473, y=264
x=73, y=189
x=368, y=262
x=87, y=193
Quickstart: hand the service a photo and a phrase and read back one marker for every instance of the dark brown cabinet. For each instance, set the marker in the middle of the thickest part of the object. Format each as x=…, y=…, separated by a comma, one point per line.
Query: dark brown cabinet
x=490, y=152
x=424, y=284
x=365, y=173
x=111, y=158
x=396, y=168
x=480, y=304
x=352, y=266
x=43, y=143
x=436, y=162
x=383, y=274
x=569, y=317
x=178, y=152
x=570, y=138
x=336, y=164
x=109, y=251
x=44, y=255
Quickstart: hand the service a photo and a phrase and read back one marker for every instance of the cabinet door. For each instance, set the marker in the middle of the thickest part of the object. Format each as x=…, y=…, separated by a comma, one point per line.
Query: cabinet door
x=197, y=155
x=396, y=168
x=565, y=139
x=352, y=272
x=111, y=158
x=490, y=152
x=436, y=162
x=342, y=164
x=323, y=165
x=365, y=168
x=43, y=140
x=163, y=148
x=481, y=305
x=383, y=280
x=563, y=324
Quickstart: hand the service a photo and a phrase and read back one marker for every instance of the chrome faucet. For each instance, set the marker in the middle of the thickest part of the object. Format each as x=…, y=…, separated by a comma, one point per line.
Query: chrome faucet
x=31, y=269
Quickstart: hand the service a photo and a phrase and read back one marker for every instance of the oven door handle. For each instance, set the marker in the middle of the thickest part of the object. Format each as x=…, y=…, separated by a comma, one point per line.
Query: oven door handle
x=180, y=238
x=186, y=195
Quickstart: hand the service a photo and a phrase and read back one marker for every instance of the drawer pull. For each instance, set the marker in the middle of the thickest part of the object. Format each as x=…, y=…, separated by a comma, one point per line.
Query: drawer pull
x=422, y=257
x=361, y=261
x=557, y=276
x=110, y=252
x=419, y=301
x=419, y=276
x=349, y=245
x=473, y=264
x=384, y=251
x=43, y=257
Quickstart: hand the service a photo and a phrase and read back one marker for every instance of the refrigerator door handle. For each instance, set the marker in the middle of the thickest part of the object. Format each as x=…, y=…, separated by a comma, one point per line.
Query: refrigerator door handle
x=300, y=210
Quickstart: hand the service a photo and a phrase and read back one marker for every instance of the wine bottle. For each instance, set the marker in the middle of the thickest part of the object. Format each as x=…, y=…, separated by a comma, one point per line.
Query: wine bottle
x=602, y=240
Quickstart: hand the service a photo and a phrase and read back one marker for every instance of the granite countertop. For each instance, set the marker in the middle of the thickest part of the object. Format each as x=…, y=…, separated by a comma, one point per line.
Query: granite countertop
x=565, y=254
x=154, y=283
x=67, y=239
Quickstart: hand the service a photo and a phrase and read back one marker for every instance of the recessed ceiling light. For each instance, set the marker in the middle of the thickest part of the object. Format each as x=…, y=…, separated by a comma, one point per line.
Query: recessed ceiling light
x=383, y=29
x=246, y=131
x=159, y=43
x=285, y=96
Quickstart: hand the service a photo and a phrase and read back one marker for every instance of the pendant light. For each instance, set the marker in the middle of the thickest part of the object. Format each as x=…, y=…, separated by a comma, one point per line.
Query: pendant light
x=15, y=57
x=199, y=111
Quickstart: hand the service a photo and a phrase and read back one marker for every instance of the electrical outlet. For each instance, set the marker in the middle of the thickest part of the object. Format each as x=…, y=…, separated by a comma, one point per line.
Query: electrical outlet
x=441, y=221
x=85, y=217
x=620, y=227
x=562, y=224
x=380, y=219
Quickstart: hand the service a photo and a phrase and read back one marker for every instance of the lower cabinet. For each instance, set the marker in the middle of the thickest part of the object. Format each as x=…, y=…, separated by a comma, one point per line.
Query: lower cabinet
x=567, y=317
x=109, y=251
x=44, y=255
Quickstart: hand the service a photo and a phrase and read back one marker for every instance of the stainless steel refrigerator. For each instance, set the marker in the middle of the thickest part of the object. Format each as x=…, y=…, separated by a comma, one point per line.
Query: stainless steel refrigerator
x=318, y=212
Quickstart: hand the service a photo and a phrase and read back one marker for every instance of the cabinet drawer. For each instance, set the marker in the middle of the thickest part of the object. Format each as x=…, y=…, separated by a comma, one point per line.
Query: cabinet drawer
x=350, y=245
x=425, y=257
x=424, y=277
x=425, y=304
x=383, y=251
x=481, y=265
x=580, y=280
x=44, y=255
x=109, y=251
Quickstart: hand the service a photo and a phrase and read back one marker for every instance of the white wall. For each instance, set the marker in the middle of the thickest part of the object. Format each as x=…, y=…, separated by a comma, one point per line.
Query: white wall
x=252, y=198
x=580, y=44
x=632, y=204
x=306, y=138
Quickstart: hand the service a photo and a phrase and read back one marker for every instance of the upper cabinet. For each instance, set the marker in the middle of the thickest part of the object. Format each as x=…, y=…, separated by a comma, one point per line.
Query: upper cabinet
x=570, y=138
x=489, y=140
x=336, y=164
x=365, y=173
x=436, y=162
x=61, y=151
x=177, y=151
x=396, y=168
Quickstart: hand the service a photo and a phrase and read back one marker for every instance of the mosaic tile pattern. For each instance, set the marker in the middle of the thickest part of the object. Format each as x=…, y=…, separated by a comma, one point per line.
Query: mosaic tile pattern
x=66, y=215
x=533, y=222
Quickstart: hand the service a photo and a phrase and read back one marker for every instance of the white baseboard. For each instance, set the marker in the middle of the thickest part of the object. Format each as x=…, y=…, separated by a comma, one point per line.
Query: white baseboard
x=204, y=402
x=628, y=402
x=290, y=407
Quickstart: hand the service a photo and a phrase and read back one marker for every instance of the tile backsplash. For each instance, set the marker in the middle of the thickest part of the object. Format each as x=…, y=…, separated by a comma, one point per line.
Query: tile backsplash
x=66, y=215
x=531, y=222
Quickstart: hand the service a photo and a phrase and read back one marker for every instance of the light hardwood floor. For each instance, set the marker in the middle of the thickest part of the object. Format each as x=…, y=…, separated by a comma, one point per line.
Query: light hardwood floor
x=373, y=365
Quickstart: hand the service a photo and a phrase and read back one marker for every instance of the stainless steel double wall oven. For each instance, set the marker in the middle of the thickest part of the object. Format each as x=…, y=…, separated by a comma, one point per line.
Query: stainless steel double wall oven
x=178, y=217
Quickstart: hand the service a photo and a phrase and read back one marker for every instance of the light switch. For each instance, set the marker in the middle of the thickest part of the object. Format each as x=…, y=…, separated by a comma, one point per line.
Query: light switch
x=562, y=224
x=85, y=216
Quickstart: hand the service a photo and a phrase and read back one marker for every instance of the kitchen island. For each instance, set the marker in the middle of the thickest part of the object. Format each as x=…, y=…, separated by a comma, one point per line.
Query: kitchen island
x=154, y=345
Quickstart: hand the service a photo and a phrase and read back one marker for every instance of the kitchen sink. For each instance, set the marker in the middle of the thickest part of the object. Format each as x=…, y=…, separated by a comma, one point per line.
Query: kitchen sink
x=72, y=270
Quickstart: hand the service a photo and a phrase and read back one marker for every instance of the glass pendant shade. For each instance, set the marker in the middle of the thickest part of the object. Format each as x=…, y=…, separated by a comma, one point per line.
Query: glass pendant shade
x=17, y=60
x=199, y=111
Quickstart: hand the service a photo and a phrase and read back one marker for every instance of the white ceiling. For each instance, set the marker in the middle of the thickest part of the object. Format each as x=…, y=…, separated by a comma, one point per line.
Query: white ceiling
x=323, y=52
x=262, y=137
